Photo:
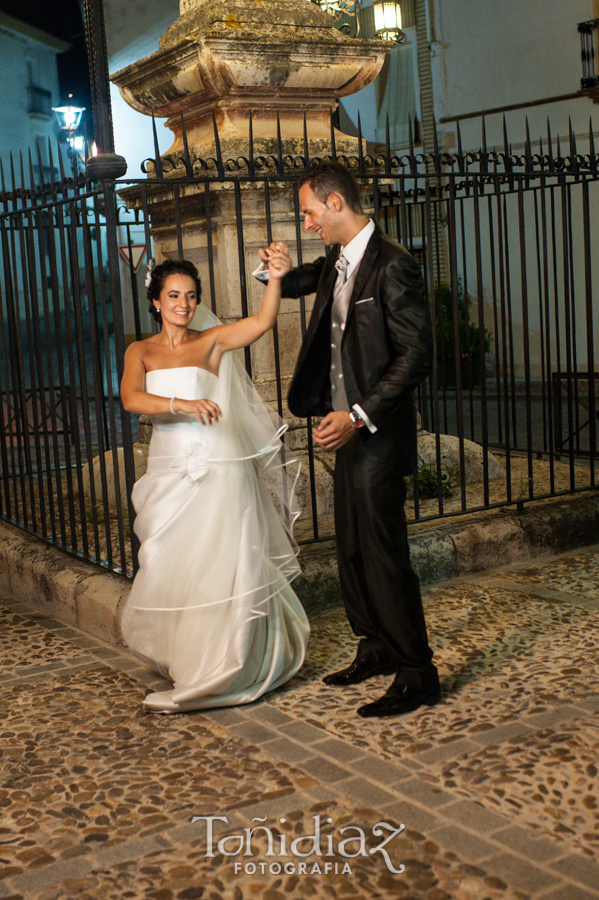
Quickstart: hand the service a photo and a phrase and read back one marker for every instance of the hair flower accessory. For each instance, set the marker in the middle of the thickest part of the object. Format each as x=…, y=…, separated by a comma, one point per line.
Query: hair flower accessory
x=151, y=267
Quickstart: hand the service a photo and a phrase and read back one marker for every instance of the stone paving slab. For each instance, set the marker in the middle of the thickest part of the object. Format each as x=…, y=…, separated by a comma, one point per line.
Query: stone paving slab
x=495, y=787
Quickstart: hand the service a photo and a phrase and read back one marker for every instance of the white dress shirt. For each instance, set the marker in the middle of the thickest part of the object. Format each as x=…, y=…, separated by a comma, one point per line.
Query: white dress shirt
x=353, y=252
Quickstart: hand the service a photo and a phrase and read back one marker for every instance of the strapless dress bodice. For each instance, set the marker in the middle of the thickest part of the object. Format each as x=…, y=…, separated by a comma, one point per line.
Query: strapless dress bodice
x=172, y=435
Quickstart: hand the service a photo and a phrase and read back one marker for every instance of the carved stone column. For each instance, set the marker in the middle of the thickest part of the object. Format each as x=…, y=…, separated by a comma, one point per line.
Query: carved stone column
x=229, y=58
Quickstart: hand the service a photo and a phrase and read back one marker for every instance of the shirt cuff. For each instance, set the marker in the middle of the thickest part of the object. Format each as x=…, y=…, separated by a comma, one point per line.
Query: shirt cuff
x=372, y=428
x=261, y=273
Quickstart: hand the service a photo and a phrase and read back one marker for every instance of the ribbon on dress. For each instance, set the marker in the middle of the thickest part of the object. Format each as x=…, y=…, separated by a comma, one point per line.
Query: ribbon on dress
x=197, y=461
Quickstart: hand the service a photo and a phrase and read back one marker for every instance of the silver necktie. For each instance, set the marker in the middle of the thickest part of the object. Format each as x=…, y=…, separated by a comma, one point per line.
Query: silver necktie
x=341, y=265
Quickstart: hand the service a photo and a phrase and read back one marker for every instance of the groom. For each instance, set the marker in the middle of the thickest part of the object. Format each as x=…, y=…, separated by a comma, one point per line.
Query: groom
x=367, y=347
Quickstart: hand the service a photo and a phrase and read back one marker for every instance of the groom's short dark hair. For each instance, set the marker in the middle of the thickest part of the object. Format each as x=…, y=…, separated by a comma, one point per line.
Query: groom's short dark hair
x=333, y=178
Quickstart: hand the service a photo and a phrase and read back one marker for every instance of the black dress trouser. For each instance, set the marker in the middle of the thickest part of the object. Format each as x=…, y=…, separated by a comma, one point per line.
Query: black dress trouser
x=380, y=589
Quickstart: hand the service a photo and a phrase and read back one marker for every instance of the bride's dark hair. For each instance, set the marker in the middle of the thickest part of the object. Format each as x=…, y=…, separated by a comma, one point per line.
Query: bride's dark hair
x=161, y=273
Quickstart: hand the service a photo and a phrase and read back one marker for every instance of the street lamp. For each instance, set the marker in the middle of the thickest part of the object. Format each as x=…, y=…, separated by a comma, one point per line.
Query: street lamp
x=387, y=21
x=68, y=118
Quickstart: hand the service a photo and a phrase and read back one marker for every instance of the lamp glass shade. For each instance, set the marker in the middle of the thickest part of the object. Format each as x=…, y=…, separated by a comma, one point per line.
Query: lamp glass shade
x=68, y=117
x=387, y=17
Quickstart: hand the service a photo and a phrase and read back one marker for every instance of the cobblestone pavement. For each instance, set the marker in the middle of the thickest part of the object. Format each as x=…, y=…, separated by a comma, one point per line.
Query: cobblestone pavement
x=496, y=786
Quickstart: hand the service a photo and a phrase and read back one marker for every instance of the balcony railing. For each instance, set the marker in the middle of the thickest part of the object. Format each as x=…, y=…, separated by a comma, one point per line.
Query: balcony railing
x=589, y=38
x=40, y=101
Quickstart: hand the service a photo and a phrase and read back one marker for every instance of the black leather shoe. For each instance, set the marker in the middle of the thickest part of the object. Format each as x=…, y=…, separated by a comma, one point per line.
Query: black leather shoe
x=400, y=699
x=359, y=671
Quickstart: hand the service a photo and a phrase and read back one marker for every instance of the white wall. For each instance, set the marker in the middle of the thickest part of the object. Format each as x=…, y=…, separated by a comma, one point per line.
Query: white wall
x=486, y=55
x=132, y=32
x=491, y=55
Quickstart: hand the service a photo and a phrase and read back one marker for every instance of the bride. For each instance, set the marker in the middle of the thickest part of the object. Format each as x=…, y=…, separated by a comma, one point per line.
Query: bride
x=211, y=607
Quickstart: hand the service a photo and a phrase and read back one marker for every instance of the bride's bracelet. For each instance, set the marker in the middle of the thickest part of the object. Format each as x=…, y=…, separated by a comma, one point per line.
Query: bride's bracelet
x=171, y=404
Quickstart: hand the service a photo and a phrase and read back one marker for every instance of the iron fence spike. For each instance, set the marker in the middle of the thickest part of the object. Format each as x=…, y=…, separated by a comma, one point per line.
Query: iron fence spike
x=387, y=146
x=528, y=148
x=360, y=148
x=219, y=155
x=437, y=154
x=306, y=147
x=40, y=163
x=550, y=147
x=186, y=156
x=484, y=155
x=506, y=147
x=251, y=164
x=279, y=145
x=157, y=160
x=32, y=183
x=51, y=162
x=559, y=147
x=573, y=148
x=461, y=166
x=333, y=146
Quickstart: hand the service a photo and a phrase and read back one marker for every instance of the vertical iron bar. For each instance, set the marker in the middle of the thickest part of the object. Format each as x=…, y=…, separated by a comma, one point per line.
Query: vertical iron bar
x=525, y=331
x=588, y=286
x=112, y=250
x=481, y=341
x=501, y=252
x=302, y=299
x=241, y=260
x=568, y=321
x=453, y=257
x=97, y=399
x=209, y=249
x=113, y=440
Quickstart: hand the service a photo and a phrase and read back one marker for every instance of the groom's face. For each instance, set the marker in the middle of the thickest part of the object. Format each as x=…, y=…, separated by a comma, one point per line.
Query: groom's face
x=323, y=218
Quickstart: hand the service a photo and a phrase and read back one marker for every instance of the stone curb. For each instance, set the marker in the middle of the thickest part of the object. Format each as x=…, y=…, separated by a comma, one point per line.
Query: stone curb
x=79, y=594
x=69, y=589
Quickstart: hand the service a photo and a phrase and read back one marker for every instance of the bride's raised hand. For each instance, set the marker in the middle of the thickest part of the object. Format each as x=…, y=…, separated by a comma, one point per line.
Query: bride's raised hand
x=275, y=249
x=206, y=411
x=279, y=263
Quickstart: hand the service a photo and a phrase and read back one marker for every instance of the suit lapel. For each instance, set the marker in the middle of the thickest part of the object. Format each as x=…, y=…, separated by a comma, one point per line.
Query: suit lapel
x=327, y=282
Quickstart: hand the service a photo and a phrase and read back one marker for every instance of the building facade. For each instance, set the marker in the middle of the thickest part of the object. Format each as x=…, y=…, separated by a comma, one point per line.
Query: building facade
x=29, y=87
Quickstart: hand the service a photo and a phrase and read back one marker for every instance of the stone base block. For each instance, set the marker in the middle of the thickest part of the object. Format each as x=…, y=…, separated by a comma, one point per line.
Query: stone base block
x=140, y=456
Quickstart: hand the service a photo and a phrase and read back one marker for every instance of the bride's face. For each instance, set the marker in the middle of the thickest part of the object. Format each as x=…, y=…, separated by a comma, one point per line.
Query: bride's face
x=178, y=300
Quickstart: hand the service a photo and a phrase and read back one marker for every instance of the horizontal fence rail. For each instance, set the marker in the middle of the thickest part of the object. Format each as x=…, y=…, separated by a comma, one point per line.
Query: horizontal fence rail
x=509, y=259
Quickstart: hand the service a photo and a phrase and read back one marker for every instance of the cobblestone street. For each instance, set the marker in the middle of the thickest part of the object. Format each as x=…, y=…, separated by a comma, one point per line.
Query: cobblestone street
x=496, y=786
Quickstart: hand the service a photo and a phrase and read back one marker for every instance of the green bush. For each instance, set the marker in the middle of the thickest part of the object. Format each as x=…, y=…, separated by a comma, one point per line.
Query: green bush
x=468, y=330
x=428, y=488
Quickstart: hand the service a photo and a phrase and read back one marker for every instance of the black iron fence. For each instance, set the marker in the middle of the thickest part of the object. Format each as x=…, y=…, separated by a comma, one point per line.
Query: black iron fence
x=509, y=257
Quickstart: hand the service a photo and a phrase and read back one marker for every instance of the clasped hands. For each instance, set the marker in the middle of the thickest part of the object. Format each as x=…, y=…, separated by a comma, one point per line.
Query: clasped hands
x=276, y=258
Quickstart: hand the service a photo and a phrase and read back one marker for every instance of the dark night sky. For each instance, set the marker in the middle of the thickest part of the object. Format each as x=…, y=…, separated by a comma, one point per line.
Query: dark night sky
x=63, y=19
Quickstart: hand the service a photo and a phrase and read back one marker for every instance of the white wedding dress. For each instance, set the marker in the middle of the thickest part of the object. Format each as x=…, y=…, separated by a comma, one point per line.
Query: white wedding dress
x=211, y=607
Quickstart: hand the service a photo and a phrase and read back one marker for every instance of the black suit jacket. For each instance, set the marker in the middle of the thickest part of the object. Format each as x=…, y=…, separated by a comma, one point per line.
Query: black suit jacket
x=387, y=342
